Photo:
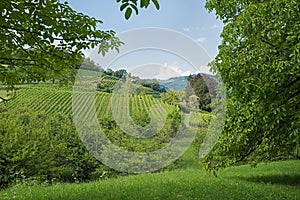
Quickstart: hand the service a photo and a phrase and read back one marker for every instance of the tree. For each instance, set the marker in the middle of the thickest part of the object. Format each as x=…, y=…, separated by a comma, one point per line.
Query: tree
x=169, y=97
x=43, y=40
x=259, y=63
x=89, y=64
x=198, y=87
x=120, y=73
x=109, y=72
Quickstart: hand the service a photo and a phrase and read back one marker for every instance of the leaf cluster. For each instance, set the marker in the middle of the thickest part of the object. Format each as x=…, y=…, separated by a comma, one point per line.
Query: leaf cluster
x=43, y=40
x=133, y=5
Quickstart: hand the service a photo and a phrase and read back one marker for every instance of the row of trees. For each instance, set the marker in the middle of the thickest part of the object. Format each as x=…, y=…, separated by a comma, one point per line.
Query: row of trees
x=153, y=84
x=88, y=64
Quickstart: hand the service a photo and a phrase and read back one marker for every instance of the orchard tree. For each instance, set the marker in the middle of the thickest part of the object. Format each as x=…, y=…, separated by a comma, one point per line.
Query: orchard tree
x=43, y=40
x=259, y=62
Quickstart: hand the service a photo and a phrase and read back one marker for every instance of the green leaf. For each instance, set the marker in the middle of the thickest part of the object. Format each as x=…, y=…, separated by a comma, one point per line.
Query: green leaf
x=145, y=3
x=128, y=13
x=123, y=6
x=135, y=8
x=156, y=4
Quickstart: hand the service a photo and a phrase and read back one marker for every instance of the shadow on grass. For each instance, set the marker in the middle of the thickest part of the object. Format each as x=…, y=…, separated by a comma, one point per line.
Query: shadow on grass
x=293, y=180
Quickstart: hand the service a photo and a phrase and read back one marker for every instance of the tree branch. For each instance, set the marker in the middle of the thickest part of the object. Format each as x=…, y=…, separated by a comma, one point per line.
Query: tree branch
x=19, y=29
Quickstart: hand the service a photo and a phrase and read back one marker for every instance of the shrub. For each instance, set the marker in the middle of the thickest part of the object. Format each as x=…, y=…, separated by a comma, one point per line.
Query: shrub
x=44, y=148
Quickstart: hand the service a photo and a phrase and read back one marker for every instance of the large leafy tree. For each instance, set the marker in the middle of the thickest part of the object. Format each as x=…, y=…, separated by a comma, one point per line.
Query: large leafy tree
x=43, y=40
x=204, y=88
x=259, y=62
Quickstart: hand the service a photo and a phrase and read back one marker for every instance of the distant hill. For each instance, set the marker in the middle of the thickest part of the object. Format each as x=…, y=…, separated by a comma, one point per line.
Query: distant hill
x=178, y=83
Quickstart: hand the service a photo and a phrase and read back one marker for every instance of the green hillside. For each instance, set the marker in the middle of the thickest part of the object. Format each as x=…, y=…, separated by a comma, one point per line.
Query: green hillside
x=61, y=158
x=50, y=98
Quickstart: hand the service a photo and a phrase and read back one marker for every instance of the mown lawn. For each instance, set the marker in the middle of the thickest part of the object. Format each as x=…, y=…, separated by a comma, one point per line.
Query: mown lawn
x=277, y=180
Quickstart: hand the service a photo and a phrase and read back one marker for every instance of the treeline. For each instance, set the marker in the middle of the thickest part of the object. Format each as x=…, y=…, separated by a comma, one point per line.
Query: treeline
x=153, y=84
x=88, y=64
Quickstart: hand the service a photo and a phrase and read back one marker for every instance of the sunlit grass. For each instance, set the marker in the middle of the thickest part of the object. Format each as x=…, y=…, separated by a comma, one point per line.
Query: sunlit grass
x=278, y=180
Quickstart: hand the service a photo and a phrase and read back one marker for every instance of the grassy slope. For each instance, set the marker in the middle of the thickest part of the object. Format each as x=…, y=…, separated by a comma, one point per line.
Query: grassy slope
x=278, y=180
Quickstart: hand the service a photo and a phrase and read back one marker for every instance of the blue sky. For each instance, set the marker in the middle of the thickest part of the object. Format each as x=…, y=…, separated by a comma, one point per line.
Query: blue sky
x=187, y=17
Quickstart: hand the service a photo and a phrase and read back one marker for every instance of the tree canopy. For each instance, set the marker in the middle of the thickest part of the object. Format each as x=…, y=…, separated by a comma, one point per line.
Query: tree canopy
x=203, y=87
x=89, y=64
x=43, y=40
x=259, y=62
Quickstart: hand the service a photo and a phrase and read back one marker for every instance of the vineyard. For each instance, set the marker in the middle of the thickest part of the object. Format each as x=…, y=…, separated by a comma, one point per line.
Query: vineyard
x=107, y=83
x=52, y=99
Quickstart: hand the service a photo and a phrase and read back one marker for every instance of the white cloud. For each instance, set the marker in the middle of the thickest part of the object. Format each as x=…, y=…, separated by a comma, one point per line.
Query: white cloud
x=166, y=71
x=200, y=39
x=186, y=29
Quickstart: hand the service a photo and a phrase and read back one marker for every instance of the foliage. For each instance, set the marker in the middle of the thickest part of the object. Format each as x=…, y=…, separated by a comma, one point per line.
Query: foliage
x=130, y=5
x=169, y=97
x=109, y=72
x=141, y=118
x=197, y=86
x=121, y=73
x=141, y=90
x=43, y=40
x=36, y=146
x=199, y=119
x=258, y=61
x=153, y=84
x=107, y=84
x=51, y=99
x=89, y=64
x=139, y=107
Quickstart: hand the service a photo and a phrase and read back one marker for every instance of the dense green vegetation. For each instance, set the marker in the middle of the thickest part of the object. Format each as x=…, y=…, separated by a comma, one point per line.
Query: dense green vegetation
x=48, y=151
x=38, y=125
x=44, y=148
x=107, y=84
x=198, y=87
x=258, y=62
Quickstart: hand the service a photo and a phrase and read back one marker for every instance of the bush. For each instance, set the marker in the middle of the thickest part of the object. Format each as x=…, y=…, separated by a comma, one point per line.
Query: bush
x=43, y=148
